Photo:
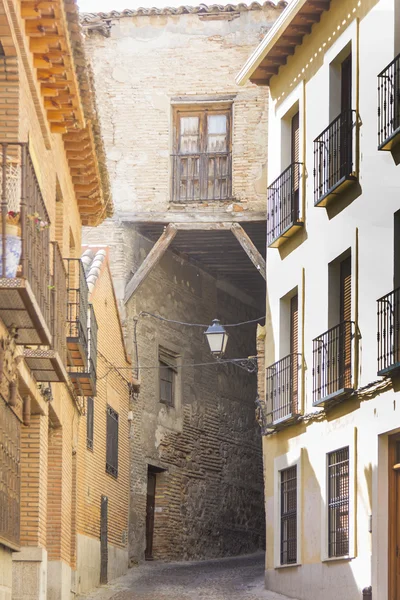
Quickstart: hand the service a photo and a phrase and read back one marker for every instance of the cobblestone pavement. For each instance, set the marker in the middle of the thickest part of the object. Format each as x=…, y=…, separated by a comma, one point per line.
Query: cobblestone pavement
x=240, y=578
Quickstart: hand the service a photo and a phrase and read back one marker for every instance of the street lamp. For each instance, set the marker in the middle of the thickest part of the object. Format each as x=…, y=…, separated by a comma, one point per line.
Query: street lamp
x=217, y=338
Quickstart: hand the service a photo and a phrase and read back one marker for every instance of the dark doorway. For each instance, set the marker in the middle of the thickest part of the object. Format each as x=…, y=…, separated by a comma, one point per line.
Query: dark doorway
x=151, y=496
x=104, y=540
x=394, y=518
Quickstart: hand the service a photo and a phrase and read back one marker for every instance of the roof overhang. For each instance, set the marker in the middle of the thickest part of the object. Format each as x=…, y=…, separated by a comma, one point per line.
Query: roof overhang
x=281, y=41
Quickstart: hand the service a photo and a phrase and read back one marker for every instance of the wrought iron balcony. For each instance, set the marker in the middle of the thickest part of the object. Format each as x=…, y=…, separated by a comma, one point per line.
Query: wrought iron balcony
x=77, y=313
x=283, y=218
x=201, y=177
x=24, y=248
x=49, y=364
x=282, y=398
x=332, y=363
x=333, y=158
x=389, y=333
x=389, y=105
x=84, y=377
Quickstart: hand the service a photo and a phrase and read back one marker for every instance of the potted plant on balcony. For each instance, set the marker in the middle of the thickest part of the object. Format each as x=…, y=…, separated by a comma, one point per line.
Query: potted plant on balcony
x=13, y=244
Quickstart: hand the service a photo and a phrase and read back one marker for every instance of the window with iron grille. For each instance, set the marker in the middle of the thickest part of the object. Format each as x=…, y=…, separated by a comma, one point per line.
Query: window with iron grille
x=288, y=515
x=168, y=371
x=338, y=502
x=201, y=163
x=112, y=442
x=89, y=422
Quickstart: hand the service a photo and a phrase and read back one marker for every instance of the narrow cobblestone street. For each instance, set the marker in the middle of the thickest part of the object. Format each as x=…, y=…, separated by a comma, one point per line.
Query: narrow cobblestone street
x=240, y=578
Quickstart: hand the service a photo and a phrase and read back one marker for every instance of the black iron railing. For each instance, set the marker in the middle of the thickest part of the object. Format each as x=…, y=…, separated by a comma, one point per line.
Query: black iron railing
x=24, y=217
x=283, y=388
x=332, y=361
x=59, y=304
x=333, y=155
x=389, y=332
x=283, y=202
x=201, y=177
x=388, y=102
x=78, y=303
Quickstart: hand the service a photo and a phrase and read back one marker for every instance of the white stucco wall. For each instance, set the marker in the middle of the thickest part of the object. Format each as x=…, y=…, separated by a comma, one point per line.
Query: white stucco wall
x=366, y=226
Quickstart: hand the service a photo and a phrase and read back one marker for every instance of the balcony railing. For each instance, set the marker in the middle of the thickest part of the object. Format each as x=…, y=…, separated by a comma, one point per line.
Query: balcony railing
x=84, y=377
x=389, y=105
x=333, y=158
x=283, y=389
x=283, y=206
x=77, y=313
x=332, y=363
x=24, y=248
x=201, y=177
x=389, y=333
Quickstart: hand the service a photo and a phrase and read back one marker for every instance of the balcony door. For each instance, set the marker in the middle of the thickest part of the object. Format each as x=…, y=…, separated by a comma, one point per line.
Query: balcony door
x=394, y=518
x=294, y=350
x=345, y=329
x=346, y=121
x=295, y=159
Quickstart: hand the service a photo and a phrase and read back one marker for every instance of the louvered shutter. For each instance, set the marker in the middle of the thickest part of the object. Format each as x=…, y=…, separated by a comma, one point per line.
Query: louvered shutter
x=294, y=348
x=345, y=319
x=346, y=84
x=89, y=422
x=295, y=144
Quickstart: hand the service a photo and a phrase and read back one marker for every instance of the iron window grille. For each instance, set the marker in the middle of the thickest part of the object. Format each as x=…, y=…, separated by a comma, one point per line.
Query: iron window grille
x=89, y=422
x=283, y=203
x=338, y=502
x=388, y=103
x=10, y=477
x=288, y=497
x=283, y=388
x=332, y=361
x=112, y=442
x=333, y=155
x=389, y=332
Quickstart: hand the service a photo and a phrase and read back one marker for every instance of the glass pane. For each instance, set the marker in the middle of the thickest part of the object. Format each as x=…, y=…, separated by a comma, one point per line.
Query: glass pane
x=217, y=133
x=189, y=135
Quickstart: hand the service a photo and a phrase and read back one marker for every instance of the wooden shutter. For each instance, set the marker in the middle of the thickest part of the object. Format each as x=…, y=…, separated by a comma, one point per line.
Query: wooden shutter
x=295, y=138
x=346, y=84
x=345, y=290
x=294, y=325
x=89, y=422
x=112, y=442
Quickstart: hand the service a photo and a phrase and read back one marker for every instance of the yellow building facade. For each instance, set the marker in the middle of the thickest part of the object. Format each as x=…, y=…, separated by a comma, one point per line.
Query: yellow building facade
x=329, y=393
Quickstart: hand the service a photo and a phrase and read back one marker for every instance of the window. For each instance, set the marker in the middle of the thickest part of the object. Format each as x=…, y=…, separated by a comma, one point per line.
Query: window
x=112, y=442
x=202, y=155
x=168, y=370
x=89, y=422
x=288, y=503
x=338, y=502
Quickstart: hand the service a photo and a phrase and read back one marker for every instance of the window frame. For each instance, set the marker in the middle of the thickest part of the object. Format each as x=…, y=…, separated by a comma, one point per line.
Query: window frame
x=90, y=440
x=342, y=456
x=287, y=515
x=201, y=110
x=112, y=469
x=340, y=439
x=281, y=463
x=167, y=359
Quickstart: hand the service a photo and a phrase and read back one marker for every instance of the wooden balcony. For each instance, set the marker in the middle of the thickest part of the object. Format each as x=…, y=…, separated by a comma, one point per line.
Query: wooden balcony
x=201, y=177
x=49, y=364
x=25, y=278
x=333, y=158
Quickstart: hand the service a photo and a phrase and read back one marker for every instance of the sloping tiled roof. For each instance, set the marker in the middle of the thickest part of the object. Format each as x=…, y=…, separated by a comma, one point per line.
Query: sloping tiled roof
x=87, y=18
x=92, y=259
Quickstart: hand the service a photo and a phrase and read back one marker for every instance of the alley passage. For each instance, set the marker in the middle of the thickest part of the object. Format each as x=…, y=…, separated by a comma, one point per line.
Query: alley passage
x=228, y=579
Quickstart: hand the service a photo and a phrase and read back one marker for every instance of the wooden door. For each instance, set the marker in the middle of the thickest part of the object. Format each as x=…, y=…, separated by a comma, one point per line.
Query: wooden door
x=151, y=493
x=394, y=518
x=294, y=349
x=345, y=330
x=104, y=540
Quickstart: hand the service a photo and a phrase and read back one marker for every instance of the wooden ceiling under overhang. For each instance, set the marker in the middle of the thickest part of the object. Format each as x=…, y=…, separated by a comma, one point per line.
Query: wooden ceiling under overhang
x=46, y=26
x=292, y=36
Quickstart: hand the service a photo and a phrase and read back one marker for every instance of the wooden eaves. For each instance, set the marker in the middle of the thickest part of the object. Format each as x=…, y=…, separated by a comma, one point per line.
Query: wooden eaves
x=288, y=31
